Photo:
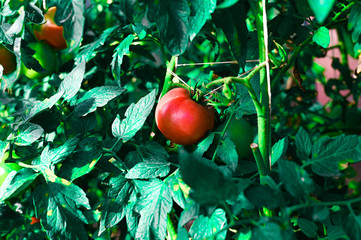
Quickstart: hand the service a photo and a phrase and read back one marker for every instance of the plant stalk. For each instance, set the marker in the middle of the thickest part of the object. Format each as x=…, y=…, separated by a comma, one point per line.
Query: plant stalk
x=263, y=113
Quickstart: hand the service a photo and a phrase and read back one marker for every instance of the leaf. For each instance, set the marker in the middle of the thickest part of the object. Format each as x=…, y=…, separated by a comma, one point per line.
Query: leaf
x=270, y=231
x=73, y=11
x=28, y=133
x=72, y=82
x=172, y=22
x=307, y=227
x=262, y=196
x=50, y=157
x=328, y=152
x=228, y=154
x=303, y=144
x=82, y=161
x=279, y=150
x=135, y=117
x=59, y=211
x=96, y=97
x=232, y=21
x=200, y=12
x=178, y=189
x=148, y=170
x=354, y=21
x=203, y=146
x=119, y=52
x=321, y=8
x=322, y=37
x=296, y=180
x=113, y=209
x=40, y=106
x=209, y=185
x=88, y=51
x=205, y=227
x=352, y=226
x=153, y=206
x=150, y=152
x=15, y=182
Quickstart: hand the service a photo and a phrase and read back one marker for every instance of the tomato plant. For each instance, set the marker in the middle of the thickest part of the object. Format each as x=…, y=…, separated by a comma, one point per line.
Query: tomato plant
x=113, y=144
x=45, y=56
x=181, y=119
x=7, y=60
x=50, y=32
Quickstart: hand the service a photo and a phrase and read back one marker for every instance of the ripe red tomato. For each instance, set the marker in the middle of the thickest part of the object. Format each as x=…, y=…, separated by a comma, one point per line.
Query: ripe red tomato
x=50, y=32
x=181, y=119
x=7, y=60
x=241, y=133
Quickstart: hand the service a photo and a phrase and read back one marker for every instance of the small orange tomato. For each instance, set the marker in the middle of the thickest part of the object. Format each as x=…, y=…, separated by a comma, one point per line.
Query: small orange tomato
x=50, y=32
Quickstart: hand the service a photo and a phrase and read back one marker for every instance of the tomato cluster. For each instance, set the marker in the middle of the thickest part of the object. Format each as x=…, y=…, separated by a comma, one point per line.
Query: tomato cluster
x=181, y=119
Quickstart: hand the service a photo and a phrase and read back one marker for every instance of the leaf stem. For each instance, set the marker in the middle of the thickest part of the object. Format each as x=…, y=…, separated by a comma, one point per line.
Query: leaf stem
x=170, y=228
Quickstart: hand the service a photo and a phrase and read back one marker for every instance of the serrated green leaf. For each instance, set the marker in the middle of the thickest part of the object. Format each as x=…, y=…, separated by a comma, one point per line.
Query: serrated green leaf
x=28, y=133
x=15, y=182
x=58, y=204
x=39, y=106
x=191, y=211
x=262, y=196
x=227, y=153
x=296, y=180
x=72, y=82
x=151, y=152
x=172, y=22
x=205, y=227
x=153, y=206
x=113, y=210
x=322, y=37
x=88, y=51
x=50, y=157
x=200, y=13
x=178, y=189
x=303, y=144
x=135, y=117
x=3, y=146
x=209, y=185
x=279, y=150
x=321, y=8
x=146, y=170
x=80, y=164
x=96, y=97
x=328, y=152
x=119, y=52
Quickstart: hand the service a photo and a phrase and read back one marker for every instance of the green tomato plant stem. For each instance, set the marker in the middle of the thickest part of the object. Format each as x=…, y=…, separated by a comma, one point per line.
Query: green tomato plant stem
x=263, y=112
x=168, y=77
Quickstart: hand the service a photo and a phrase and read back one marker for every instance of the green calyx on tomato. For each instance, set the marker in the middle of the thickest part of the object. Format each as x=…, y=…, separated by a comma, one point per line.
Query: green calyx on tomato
x=7, y=60
x=46, y=57
x=241, y=133
x=50, y=32
x=6, y=168
x=181, y=119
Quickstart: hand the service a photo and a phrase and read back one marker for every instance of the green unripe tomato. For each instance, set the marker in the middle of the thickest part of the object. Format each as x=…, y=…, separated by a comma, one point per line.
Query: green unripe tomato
x=241, y=133
x=5, y=169
x=46, y=57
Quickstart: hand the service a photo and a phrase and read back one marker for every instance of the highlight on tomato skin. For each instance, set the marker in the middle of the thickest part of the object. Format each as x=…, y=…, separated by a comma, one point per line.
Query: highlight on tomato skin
x=181, y=119
x=7, y=60
x=50, y=32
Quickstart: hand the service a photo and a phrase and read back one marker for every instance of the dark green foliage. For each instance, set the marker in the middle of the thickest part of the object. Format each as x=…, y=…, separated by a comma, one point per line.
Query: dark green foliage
x=95, y=166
